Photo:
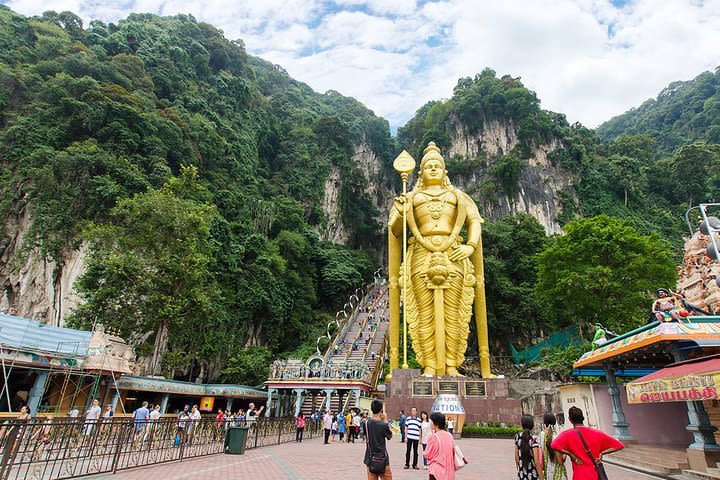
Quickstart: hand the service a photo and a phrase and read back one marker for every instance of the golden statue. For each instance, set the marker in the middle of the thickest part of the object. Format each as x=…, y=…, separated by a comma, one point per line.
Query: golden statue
x=444, y=277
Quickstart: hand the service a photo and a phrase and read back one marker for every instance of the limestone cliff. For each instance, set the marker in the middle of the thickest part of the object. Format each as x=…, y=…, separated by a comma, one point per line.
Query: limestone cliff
x=379, y=190
x=33, y=286
x=539, y=181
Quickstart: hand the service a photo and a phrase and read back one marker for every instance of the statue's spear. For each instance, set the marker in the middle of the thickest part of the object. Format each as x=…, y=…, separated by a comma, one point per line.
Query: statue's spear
x=404, y=164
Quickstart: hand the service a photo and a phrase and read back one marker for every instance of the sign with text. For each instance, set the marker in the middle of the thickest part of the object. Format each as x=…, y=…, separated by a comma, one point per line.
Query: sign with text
x=475, y=389
x=447, y=403
x=421, y=388
x=702, y=386
x=449, y=387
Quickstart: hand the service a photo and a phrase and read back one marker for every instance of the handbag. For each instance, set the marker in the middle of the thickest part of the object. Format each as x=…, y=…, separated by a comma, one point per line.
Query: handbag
x=460, y=460
x=599, y=467
x=378, y=461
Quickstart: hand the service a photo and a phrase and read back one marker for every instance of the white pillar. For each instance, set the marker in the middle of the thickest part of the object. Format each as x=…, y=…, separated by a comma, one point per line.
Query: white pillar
x=298, y=399
x=328, y=396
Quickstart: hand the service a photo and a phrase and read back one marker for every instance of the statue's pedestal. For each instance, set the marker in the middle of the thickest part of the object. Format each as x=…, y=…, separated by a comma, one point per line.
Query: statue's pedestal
x=485, y=400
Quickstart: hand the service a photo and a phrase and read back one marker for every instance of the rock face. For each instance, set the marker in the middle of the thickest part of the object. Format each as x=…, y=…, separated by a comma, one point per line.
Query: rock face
x=536, y=396
x=32, y=286
x=539, y=181
x=379, y=190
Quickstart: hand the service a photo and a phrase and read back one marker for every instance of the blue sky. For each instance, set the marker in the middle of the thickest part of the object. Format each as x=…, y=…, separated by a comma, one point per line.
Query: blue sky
x=589, y=59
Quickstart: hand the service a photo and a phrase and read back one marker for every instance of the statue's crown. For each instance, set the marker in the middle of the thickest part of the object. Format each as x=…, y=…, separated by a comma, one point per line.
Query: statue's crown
x=431, y=152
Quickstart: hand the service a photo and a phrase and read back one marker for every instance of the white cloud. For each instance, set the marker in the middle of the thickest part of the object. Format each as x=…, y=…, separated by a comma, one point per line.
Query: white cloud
x=588, y=58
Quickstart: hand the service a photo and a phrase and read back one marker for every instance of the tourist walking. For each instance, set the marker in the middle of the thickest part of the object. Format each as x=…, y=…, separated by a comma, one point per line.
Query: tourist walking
x=300, y=427
x=140, y=418
x=377, y=432
x=91, y=417
x=527, y=451
x=403, y=419
x=553, y=463
x=440, y=450
x=585, y=446
x=182, y=425
x=350, y=428
x=341, y=426
x=357, y=423
x=425, y=432
x=450, y=425
x=327, y=421
x=413, y=431
x=153, y=421
x=192, y=424
x=252, y=414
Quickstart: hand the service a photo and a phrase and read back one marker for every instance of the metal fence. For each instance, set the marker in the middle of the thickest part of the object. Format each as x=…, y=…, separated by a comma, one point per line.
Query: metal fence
x=49, y=449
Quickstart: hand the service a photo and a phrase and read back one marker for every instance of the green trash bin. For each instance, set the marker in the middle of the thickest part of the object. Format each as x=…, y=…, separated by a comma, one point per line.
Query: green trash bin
x=235, y=440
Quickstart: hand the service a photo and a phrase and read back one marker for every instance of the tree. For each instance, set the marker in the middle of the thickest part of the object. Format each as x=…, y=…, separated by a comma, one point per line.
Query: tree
x=148, y=273
x=509, y=249
x=249, y=366
x=640, y=147
x=602, y=270
x=690, y=169
x=628, y=174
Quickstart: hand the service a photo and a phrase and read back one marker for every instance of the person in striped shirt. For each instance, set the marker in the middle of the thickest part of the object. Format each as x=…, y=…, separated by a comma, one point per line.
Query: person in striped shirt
x=413, y=427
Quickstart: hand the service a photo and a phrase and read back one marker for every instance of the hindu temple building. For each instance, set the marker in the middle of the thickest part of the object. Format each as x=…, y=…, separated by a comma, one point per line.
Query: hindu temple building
x=54, y=370
x=661, y=396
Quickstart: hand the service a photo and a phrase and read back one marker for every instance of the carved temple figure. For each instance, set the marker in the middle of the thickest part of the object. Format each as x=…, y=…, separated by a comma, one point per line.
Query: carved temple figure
x=445, y=273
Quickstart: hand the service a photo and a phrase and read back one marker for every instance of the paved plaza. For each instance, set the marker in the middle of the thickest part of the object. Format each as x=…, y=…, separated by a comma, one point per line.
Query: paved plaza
x=311, y=460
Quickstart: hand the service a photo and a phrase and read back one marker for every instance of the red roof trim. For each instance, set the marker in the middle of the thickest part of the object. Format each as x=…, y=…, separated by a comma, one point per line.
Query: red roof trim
x=698, y=366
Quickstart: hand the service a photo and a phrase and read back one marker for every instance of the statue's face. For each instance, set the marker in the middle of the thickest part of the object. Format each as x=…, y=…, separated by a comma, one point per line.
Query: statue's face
x=433, y=172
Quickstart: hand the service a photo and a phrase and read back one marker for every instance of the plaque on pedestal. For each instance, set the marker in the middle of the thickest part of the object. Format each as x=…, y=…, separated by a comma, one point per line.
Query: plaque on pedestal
x=475, y=389
x=446, y=386
x=422, y=388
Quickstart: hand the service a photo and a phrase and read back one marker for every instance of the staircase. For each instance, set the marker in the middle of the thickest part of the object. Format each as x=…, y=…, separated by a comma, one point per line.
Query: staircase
x=307, y=406
x=660, y=460
x=368, y=329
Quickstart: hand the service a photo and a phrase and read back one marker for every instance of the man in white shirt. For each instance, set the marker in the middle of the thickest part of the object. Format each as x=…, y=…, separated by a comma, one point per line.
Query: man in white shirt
x=195, y=417
x=155, y=413
x=92, y=416
x=153, y=420
x=413, y=429
x=357, y=422
x=327, y=421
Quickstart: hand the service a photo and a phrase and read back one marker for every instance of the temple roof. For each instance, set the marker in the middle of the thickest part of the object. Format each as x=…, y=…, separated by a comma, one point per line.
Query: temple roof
x=157, y=384
x=647, y=346
x=25, y=334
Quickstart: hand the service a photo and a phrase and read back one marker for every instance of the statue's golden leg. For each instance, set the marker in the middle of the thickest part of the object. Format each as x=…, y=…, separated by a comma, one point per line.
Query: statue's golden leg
x=439, y=310
x=458, y=310
x=424, y=329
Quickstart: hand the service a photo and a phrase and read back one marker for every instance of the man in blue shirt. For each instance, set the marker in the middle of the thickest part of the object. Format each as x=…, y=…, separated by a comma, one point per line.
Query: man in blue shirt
x=403, y=418
x=413, y=427
x=140, y=418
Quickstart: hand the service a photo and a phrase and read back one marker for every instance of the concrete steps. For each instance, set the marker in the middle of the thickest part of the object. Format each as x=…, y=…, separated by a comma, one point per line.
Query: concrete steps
x=656, y=459
x=711, y=474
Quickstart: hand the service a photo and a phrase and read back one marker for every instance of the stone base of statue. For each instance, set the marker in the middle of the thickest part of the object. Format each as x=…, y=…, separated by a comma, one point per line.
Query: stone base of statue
x=483, y=400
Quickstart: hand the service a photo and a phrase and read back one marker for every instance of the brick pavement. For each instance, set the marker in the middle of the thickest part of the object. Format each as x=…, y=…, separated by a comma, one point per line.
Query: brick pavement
x=311, y=460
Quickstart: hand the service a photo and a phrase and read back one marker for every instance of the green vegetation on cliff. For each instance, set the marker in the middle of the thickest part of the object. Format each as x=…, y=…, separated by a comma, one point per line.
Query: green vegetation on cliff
x=682, y=113
x=194, y=171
